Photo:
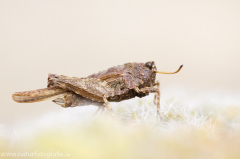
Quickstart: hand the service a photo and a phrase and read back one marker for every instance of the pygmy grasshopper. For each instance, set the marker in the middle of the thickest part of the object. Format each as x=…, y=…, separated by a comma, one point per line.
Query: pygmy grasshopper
x=114, y=84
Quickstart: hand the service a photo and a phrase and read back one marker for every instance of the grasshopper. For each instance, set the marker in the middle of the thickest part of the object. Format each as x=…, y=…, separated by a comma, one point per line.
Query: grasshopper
x=112, y=85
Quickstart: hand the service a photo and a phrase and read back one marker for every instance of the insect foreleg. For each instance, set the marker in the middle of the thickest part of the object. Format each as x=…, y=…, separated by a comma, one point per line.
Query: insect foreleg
x=151, y=90
x=155, y=96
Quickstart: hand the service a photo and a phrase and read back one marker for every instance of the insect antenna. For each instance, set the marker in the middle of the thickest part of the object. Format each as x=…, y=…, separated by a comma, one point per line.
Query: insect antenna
x=169, y=72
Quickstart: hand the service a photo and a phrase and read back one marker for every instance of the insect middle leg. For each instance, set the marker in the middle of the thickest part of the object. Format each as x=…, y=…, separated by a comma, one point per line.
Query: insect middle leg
x=151, y=90
x=107, y=105
x=112, y=94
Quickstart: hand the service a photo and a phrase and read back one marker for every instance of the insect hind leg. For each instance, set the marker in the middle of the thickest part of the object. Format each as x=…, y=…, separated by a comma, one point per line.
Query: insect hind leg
x=98, y=111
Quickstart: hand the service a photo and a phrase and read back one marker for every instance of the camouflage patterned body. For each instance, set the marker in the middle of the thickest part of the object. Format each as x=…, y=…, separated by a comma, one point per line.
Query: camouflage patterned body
x=114, y=84
x=128, y=76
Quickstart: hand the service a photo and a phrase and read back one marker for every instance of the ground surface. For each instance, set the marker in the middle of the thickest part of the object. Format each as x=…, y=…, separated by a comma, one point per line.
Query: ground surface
x=200, y=127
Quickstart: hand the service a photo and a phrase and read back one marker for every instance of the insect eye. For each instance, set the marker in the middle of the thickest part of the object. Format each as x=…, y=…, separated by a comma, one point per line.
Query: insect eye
x=52, y=76
x=149, y=65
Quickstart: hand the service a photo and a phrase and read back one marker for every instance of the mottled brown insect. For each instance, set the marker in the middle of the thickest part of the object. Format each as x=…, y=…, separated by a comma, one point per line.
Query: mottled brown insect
x=114, y=84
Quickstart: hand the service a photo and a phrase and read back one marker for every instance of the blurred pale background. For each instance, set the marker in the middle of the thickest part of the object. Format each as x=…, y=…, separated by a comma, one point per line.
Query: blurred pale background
x=78, y=38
